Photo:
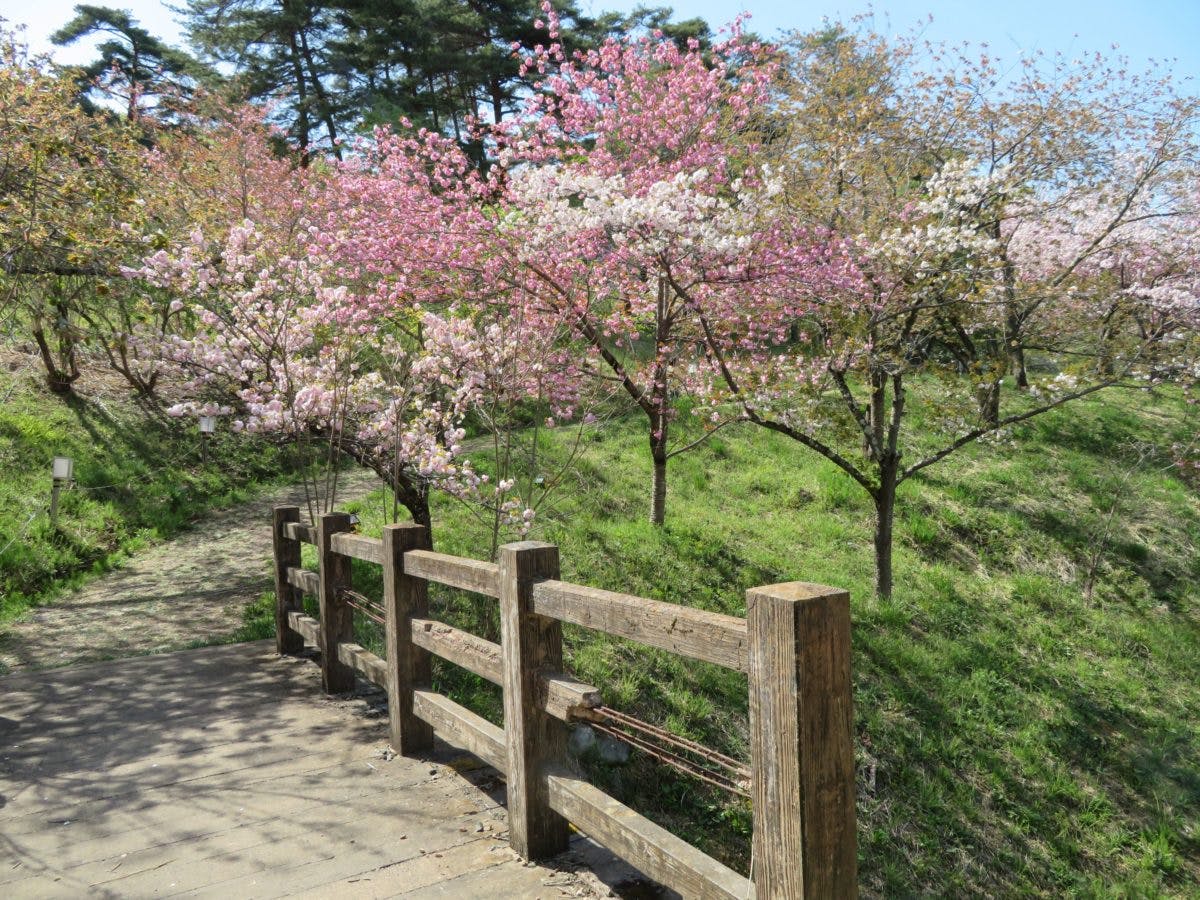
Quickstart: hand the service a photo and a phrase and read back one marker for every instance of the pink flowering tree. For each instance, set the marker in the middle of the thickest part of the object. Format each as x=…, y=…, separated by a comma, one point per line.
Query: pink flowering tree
x=1134, y=281
x=420, y=233
x=929, y=183
x=208, y=178
x=631, y=205
x=366, y=317
x=274, y=341
x=514, y=378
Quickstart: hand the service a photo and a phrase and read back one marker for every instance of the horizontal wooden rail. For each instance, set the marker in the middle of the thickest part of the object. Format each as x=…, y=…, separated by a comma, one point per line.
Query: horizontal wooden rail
x=362, y=660
x=649, y=847
x=306, y=625
x=695, y=633
x=366, y=663
x=468, y=574
x=298, y=531
x=357, y=546
x=461, y=727
x=459, y=647
x=309, y=582
x=559, y=695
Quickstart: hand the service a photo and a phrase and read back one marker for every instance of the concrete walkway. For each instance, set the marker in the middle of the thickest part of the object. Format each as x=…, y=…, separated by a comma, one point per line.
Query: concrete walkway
x=190, y=589
x=224, y=772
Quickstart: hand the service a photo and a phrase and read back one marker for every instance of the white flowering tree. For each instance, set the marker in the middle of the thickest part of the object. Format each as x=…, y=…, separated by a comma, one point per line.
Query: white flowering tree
x=273, y=341
x=903, y=332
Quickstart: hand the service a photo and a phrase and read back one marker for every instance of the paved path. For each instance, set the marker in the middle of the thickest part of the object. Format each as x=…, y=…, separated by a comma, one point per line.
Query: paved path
x=189, y=589
x=223, y=772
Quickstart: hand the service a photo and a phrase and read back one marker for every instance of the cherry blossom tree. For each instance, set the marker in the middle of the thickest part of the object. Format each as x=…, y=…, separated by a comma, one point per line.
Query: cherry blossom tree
x=630, y=203
x=275, y=342
x=882, y=157
x=868, y=120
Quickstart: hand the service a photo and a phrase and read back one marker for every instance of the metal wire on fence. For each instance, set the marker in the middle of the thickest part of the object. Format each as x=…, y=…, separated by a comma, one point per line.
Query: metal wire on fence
x=363, y=604
x=679, y=753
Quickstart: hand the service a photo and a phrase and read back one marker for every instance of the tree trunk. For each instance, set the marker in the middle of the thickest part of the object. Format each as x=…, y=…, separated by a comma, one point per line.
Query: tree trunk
x=987, y=396
x=1016, y=357
x=325, y=110
x=876, y=413
x=885, y=511
x=658, y=453
x=60, y=379
x=414, y=498
x=1012, y=322
x=302, y=125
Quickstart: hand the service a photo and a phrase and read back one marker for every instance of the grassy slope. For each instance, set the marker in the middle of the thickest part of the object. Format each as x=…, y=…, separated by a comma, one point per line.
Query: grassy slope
x=137, y=478
x=1011, y=737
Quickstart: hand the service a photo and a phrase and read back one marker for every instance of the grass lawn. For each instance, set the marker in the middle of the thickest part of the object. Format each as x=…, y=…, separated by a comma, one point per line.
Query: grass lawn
x=1012, y=737
x=138, y=477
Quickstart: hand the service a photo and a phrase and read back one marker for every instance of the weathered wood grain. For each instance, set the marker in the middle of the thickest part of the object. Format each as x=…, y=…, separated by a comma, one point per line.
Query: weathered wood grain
x=304, y=580
x=559, y=695
x=359, y=547
x=337, y=623
x=408, y=664
x=370, y=665
x=298, y=531
x=461, y=727
x=530, y=643
x=802, y=757
x=455, y=571
x=562, y=697
x=651, y=848
x=307, y=626
x=460, y=647
x=695, y=633
x=287, y=556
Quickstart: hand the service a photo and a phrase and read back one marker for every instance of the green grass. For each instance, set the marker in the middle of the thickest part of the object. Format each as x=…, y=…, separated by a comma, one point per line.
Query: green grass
x=1011, y=738
x=138, y=478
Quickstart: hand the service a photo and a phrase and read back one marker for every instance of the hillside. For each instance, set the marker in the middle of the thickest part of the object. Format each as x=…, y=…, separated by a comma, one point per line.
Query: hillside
x=139, y=477
x=1012, y=736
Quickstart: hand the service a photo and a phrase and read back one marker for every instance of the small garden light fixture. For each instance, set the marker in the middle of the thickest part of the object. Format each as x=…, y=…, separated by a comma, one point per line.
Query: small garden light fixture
x=62, y=470
x=208, y=424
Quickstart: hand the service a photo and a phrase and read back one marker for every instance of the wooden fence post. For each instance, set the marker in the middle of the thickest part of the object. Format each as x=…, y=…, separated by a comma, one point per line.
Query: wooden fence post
x=337, y=622
x=801, y=722
x=287, y=598
x=530, y=643
x=408, y=665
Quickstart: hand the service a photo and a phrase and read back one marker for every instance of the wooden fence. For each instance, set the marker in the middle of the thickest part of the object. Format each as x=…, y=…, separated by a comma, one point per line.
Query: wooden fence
x=794, y=645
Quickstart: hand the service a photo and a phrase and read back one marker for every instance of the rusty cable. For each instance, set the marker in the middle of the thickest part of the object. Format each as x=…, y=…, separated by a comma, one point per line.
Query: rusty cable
x=669, y=737
x=673, y=760
x=626, y=728
x=643, y=735
x=364, y=605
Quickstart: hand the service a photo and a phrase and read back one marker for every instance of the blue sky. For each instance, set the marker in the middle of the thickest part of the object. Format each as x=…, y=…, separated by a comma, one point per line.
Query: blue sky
x=1167, y=30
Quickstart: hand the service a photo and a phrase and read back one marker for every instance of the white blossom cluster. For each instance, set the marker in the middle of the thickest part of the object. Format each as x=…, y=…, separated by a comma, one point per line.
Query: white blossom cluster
x=684, y=215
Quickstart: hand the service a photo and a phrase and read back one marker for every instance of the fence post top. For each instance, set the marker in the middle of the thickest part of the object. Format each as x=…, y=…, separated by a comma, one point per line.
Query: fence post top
x=403, y=526
x=335, y=518
x=795, y=592
x=285, y=508
x=519, y=546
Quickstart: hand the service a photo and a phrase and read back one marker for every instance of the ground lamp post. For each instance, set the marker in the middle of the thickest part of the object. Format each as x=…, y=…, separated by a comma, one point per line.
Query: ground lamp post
x=64, y=467
x=208, y=424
